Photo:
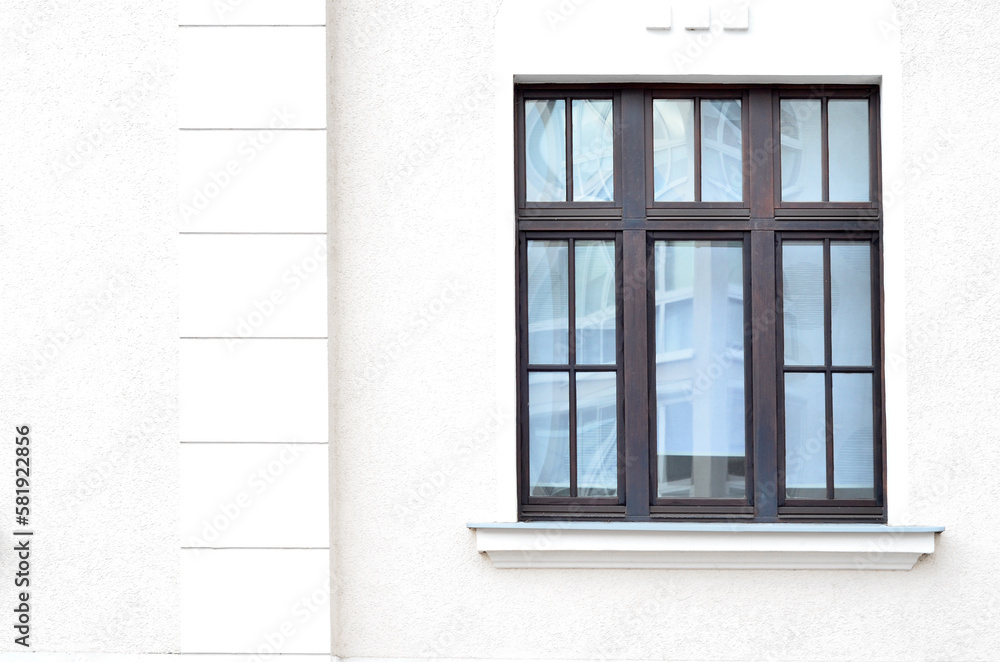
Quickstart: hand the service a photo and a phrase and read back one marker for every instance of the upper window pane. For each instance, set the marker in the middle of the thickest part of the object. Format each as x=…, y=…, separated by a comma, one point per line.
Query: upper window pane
x=593, y=150
x=847, y=150
x=848, y=130
x=721, y=150
x=545, y=150
x=673, y=150
x=801, y=151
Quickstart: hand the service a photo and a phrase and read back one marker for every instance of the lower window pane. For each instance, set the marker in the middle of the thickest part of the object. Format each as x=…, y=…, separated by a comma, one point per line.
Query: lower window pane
x=805, y=435
x=851, y=303
x=700, y=377
x=597, y=433
x=595, y=302
x=853, y=441
x=548, y=301
x=548, y=433
x=803, y=302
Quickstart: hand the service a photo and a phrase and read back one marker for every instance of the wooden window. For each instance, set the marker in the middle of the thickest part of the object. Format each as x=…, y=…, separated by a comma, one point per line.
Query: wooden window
x=699, y=303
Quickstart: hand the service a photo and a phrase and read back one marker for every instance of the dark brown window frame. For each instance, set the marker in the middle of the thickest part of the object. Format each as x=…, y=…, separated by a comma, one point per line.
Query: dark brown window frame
x=761, y=222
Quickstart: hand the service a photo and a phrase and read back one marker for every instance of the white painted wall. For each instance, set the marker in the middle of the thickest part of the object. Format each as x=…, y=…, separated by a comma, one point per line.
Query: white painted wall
x=424, y=411
x=420, y=304
x=88, y=318
x=162, y=286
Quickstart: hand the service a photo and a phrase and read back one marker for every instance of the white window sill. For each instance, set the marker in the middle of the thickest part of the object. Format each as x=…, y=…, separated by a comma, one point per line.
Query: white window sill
x=704, y=545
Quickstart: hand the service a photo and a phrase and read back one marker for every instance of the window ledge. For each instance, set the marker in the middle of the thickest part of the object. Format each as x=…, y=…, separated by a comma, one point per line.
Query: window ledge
x=704, y=545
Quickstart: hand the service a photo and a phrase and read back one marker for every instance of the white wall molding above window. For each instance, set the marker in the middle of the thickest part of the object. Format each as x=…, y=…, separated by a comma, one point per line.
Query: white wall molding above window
x=704, y=545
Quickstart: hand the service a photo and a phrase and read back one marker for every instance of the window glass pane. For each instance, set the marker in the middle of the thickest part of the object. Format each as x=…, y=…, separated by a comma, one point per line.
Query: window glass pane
x=853, y=442
x=805, y=435
x=851, y=303
x=548, y=433
x=548, y=302
x=595, y=302
x=593, y=150
x=673, y=150
x=721, y=150
x=801, y=151
x=802, y=300
x=848, y=134
x=701, y=412
x=545, y=150
x=597, y=434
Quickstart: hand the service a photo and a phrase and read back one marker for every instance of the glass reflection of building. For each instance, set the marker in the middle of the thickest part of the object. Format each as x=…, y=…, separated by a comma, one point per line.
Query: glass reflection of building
x=700, y=377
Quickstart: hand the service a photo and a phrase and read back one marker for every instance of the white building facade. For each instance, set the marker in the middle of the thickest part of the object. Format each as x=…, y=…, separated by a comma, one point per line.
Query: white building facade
x=262, y=296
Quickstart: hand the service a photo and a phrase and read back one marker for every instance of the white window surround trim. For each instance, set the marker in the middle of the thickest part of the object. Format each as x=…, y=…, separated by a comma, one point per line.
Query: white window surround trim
x=703, y=545
x=532, y=48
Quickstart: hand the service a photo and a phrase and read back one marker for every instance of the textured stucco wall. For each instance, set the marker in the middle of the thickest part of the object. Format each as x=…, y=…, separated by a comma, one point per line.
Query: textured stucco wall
x=90, y=267
x=88, y=317
x=413, y=192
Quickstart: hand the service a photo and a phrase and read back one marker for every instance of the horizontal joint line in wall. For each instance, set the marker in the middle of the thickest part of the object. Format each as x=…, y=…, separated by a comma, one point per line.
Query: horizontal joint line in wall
x=275, y=655
x=235, y=338
x=327, y=547
x=251, y=128
x=297, y=443
x=278, y=233
x=251, y=25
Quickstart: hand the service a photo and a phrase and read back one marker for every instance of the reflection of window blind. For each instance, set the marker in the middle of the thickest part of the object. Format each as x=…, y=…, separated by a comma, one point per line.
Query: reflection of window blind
x=805, y=461
x=852, y=458
x=549, y=460
x=546, y=300
x=596, y=447
x=802, y=300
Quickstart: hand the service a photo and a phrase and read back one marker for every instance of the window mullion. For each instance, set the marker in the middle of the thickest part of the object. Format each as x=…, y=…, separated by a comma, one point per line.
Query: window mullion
x=828, y=353
x=763, y=305
x=697, y=149
x=825, y=146
x=636, y=362
x=763, y=150
x=569, y=148
x=635, y=278
x=763, y=300
x=571, y=337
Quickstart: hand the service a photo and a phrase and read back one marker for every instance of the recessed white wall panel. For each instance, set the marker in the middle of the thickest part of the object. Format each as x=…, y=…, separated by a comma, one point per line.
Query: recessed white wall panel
x=254, y=495
x=253, y=286
x=262, y=601
x=252, y=12
x=252, y=77
x=252, y=181
x=253, y=390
